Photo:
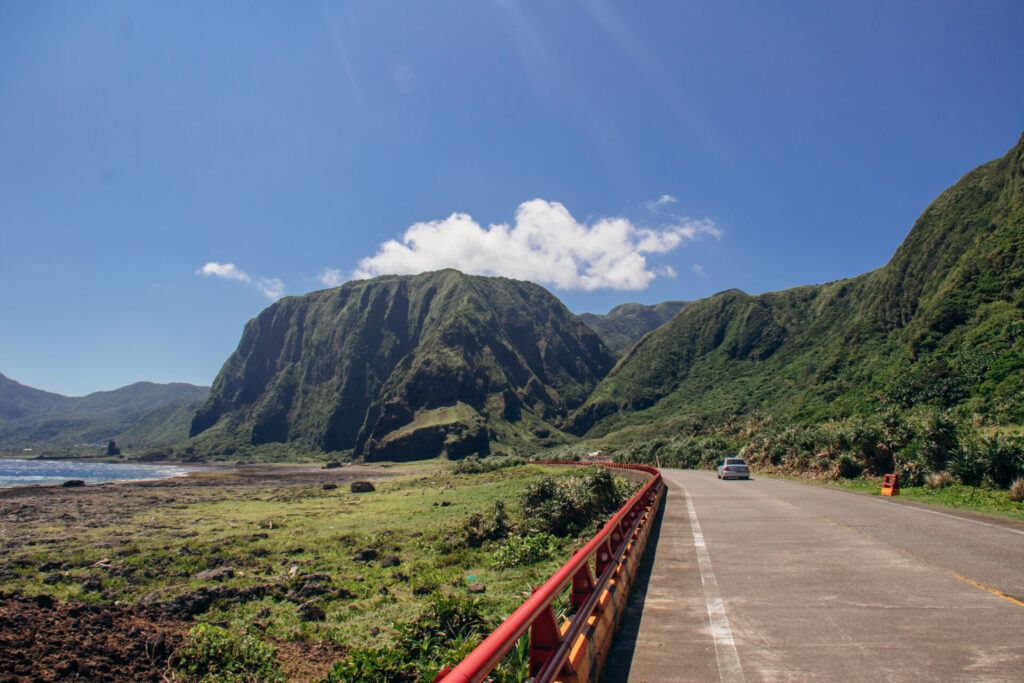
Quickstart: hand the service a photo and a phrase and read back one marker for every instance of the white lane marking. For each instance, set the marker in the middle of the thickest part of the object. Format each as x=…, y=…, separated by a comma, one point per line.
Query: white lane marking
x=946, y=514
x=729, y=668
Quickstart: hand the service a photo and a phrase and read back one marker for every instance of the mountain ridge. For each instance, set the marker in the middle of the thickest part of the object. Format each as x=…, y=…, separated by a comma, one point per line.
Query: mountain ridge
x=435, y=362
x=625, y=324
x=140, y=414
x=936, y=325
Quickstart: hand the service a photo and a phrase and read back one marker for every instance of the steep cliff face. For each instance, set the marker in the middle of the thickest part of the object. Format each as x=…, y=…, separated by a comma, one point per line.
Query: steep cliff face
x=941, y=324
x=406, y=366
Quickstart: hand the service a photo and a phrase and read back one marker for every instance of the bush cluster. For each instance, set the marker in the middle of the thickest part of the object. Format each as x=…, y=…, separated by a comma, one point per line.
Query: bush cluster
x=474, y=464
x=565, y=508
x=522, y=551
x=447, y=630
x=216, y=655
x=478, y=528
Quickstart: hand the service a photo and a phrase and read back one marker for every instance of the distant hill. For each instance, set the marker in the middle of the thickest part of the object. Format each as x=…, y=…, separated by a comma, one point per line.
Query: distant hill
x=401, y=367
x=143, y=414
x=942, y=324
x=626, y=324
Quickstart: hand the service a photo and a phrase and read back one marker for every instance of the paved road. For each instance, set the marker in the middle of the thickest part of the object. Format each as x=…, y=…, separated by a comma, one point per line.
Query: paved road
x=780, y=581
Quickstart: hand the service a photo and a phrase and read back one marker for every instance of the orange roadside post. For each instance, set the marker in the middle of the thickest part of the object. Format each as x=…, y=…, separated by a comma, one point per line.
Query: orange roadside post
x=890, y=485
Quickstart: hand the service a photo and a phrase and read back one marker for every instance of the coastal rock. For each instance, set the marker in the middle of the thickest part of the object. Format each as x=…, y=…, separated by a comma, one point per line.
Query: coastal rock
x=73, y=483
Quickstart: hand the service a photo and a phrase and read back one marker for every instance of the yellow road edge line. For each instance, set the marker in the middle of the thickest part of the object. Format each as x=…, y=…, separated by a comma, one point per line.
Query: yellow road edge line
x=912, y=556
x=983, y=587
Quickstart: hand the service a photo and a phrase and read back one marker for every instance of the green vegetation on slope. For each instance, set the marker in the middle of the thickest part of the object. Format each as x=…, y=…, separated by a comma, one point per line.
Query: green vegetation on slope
x=940, y=326
x=140, y=415
x=626, y=324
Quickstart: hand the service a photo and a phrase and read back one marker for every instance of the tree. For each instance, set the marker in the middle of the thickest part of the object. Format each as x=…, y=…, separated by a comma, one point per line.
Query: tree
x=112, y=448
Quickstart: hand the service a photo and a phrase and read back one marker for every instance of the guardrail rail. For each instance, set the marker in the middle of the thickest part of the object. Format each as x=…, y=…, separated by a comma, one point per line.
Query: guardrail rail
x=600, y=573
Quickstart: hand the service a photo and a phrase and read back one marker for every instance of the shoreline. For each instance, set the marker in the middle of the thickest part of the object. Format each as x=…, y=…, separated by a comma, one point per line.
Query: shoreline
x=182, y=471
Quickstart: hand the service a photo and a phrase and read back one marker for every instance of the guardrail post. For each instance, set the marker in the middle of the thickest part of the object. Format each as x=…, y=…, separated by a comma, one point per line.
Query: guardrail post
x=604, y=558
x=582, y=586
x=545, y=637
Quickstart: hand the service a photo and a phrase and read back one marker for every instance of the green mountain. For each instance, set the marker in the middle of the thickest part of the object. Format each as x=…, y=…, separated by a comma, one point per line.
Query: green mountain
x=942, y=324
x=402, y=367
x=140, y=415
x=626, y=324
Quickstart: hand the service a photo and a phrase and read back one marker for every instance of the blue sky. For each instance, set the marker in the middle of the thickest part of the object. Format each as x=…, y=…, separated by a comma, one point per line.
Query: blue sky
x=167, y=169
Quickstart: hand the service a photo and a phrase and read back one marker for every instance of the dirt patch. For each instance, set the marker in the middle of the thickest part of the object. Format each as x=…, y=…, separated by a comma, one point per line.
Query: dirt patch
x=308, y=661
x=44, y=640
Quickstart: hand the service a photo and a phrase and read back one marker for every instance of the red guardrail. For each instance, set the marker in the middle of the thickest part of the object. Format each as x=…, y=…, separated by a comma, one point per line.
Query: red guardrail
x=549, y=647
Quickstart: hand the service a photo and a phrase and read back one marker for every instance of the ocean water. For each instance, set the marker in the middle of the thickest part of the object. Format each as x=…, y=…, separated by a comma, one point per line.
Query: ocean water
x=33, y=472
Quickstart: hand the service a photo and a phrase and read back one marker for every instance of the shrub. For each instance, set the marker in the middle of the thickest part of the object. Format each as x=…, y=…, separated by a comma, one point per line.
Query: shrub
x=910, y=468
x=967, y=465
x=445, y=631
x=847, y=467
x=1017, y=490
x=1003, y=458
x=602, y=488
x=215, y=655
x=939, y=480
x=478, y=528
x=474, y=464
x=562, y=509
x=937, y=439
x=521, y=551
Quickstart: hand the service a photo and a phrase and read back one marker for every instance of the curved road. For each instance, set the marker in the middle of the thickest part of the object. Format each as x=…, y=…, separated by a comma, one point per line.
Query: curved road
x=771, y=580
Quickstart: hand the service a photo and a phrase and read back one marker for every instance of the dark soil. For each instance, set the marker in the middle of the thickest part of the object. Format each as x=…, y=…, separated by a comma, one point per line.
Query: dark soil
x=44, y=640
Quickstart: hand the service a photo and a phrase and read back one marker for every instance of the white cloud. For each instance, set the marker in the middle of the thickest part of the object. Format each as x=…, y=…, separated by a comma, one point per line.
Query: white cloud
x=655, y=205
x=331, y=277
x=545, y=244
x=228, y=271
x=699, y=270
x=271, y=287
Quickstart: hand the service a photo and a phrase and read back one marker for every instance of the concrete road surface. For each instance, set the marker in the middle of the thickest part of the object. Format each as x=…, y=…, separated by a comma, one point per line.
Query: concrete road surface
x=770, y=580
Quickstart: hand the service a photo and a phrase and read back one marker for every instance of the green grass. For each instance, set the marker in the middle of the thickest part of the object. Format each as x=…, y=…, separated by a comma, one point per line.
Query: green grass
x=161, y=549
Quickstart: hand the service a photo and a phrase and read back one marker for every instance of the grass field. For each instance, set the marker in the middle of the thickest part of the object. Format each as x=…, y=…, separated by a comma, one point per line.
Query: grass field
x=260, y=553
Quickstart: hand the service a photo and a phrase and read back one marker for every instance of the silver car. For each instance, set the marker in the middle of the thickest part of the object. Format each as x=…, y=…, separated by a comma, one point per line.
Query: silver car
x=733, y=468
